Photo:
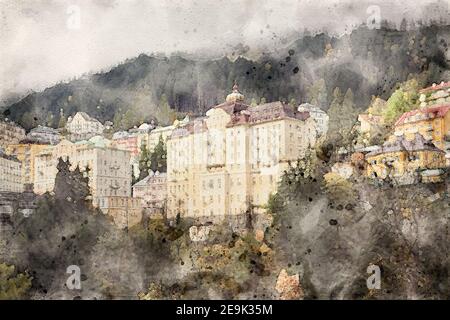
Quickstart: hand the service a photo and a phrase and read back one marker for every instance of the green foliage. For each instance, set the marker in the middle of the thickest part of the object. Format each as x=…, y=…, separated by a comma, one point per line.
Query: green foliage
x=339, y=189
x=275, y=203
x=298, y=176
x=131, y=118
x=13, y=285
x=402, y=100
x=343, y=113
x=165, y=114
x=158, y=158
x=144, y=162
x=317, y=93
x=293, y=103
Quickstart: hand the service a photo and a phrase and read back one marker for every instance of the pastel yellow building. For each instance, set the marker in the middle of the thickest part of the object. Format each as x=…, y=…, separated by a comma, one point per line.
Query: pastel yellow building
x=433, y=123
x=230, y=161
x=406, y=160
x=163, y=133
x=109, y=168
x=10, y=173
x=10, y=133
x=125, y=211
x=26, y=153
x=437, y=94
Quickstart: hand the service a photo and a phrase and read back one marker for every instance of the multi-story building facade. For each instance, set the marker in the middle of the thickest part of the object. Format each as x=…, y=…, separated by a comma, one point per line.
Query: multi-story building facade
x=153, y=191
x=83, y=127
x=109, y=169
x=406, y=160
x=10, y=173
x=125, y=211
x=142, y=134
x=318, y=115
x=433, y=123
x=26, y=152
x=10, y=133
x=437, y=94
x=163, y=133
x=230, y=161
x=44, y=135
x=127, y=142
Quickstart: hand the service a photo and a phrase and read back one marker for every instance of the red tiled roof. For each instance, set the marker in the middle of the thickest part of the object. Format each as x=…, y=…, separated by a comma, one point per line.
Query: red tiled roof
x=436, y=87
x=438, y=111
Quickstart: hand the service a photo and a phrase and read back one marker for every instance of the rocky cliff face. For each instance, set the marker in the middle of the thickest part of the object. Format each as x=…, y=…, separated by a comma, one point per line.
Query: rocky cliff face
x=403, y=231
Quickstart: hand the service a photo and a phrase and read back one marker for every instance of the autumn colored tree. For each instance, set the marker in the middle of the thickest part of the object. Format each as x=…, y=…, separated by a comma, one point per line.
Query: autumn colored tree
x=13, y=285
x=339, y=189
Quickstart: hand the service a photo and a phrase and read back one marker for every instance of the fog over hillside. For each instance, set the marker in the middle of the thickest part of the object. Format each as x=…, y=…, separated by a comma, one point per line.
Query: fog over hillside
x=369, y=62
x=50, y=41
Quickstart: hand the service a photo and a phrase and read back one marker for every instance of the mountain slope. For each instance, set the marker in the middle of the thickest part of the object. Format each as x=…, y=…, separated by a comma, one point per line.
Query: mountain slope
x=369, y=62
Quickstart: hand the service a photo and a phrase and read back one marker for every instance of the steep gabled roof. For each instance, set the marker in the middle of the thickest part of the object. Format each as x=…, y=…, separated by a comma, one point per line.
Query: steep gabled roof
x=85, y=116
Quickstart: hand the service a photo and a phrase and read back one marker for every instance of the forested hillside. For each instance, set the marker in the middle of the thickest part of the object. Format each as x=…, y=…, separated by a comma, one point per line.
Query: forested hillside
x=369, y=62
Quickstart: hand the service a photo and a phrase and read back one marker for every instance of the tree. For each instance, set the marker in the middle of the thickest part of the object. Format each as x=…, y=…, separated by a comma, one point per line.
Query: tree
x=28, y=120
x=317, y=93
x=158, y=158
x=334, y=110
x=343, y=113
x=144, y=162
x=402, y=100
x=275, y=203
x=165, y=114
x=293, y=103
x=62, y=122
x=339, y=189
x=13, y=285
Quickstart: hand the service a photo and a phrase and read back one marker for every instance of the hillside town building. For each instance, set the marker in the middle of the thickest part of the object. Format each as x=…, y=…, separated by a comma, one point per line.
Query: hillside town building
x=26, y=152
x=82, y=127
x=230, y=161
x=433, y=123
x=44, y=135
x=437, y=94
x=153, y=192
x=164, y=133
x=10, y=133
x=125, y=211
x=318, y=115
x=406, y=160
x=10, y=173
x=368, y=122
x=109, y=171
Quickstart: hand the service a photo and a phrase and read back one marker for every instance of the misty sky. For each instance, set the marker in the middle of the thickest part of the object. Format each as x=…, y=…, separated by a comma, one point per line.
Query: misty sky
x=46, y=41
